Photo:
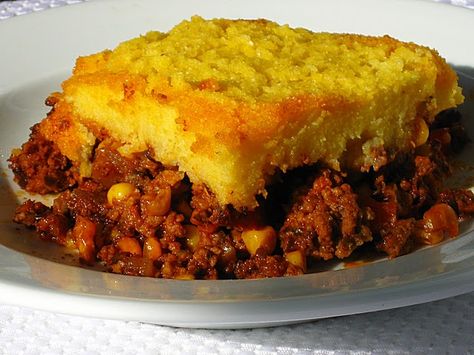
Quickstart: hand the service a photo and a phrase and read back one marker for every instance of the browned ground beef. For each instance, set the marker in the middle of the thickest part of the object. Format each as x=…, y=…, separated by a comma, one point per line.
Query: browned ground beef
x=40, y=167
x=326, y=220
x=164, y=226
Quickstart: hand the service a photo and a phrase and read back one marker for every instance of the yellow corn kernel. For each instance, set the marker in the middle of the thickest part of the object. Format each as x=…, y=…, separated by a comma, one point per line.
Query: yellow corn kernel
x=70, y=242
x=263, y=239
x=115, y=235
x=152, y=248
x=439, y=222
x=192, y=236
x=297, y=258
x=120, y=191
x=422, y=132
x=84, y=233
x=129, y=245
x=185, y=277
x=161, y=204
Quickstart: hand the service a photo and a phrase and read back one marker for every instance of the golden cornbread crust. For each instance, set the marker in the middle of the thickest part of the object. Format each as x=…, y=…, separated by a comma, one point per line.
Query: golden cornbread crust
x=231, y=101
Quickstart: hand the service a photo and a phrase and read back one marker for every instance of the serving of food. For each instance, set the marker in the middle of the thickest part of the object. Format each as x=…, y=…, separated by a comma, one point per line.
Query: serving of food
x=246, y=149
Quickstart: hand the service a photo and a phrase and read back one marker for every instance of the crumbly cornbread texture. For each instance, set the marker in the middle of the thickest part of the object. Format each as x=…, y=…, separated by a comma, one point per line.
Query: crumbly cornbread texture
x=232, y=101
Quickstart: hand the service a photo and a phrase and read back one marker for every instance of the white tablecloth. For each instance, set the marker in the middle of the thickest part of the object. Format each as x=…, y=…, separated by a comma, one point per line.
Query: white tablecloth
x=440, y=327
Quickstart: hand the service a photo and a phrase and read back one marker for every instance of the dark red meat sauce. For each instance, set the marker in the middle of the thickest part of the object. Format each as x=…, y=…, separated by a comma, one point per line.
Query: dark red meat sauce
x=138, y=217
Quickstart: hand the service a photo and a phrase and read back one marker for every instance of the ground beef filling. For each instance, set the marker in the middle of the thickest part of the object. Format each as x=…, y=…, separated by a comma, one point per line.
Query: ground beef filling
x=139, y=217
x=40, y=167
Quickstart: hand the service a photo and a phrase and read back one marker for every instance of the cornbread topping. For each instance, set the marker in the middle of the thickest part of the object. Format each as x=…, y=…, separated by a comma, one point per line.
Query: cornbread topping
x=231, y=102
x=243, y=148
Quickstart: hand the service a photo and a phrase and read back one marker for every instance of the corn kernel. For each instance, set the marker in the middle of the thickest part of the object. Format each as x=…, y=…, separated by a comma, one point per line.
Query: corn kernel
x=129, y=245
x=84, y=232
x=185, y=277
x=161, y=204
x=192, y=236
x=70, y=242
x=119, y=192
x=263, y=239
x=152, y=248
x=439, y=222
x=297, y=258
x=422, y=132
x=115, y=234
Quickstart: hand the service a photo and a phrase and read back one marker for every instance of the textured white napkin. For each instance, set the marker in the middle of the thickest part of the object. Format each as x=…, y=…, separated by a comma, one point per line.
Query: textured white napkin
x=21, y=7
x=442, y=327
x=466, y=3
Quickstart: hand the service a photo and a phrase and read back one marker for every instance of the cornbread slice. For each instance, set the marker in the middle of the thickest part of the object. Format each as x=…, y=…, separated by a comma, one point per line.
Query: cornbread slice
x=232, y=101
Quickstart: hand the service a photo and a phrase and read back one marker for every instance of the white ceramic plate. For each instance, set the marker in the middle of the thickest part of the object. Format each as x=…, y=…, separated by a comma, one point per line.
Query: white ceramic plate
x=38, y=52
